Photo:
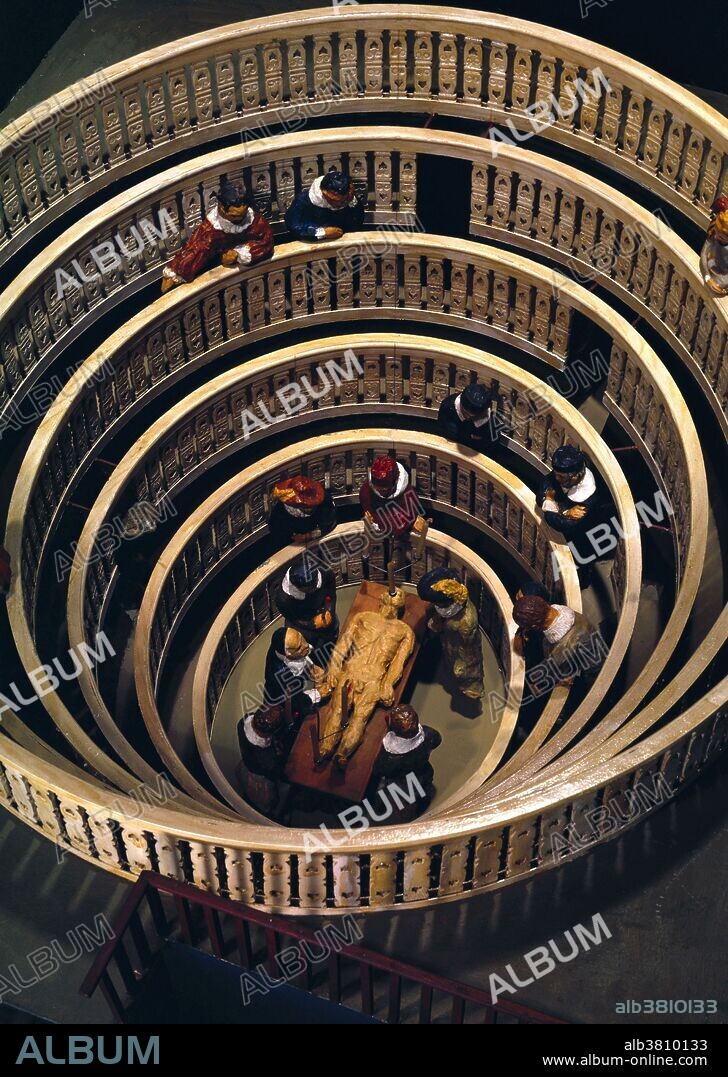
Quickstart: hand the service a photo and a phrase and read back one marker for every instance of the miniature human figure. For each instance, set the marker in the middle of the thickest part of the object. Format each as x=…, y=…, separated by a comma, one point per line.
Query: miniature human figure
x=714, y=255
x=368, y=661
x=291, y=673
x=389, y=502
x=405, y=751
x=232, y=233
x=264, y=746
x=327, y=209
x=572, y=502
x=454, y=618
x=303, y=511
x=529, y=645
x=5, y=573
x=569, y=638
x=307, y=600
x=466, y=417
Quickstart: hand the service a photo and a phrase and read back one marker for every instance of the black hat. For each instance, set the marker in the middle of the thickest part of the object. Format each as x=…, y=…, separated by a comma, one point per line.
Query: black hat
x=476, y=398
x=568, y=459
x=336, y=182
x=303, y=573
x=232, y=194
x=426, y=586
x=533, y=587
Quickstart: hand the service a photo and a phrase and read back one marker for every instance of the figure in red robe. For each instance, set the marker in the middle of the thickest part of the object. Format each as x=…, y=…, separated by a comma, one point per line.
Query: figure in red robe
x=389, y=502
x=232, y=233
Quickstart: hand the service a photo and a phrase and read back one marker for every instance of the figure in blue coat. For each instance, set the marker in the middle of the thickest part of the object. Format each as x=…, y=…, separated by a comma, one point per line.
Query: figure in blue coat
x=327, y=209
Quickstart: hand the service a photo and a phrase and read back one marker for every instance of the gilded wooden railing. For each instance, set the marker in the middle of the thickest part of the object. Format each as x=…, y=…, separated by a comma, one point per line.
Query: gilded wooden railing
x=289, y=69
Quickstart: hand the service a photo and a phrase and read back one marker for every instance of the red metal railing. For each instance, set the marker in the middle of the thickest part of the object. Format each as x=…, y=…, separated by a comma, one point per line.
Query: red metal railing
x=200, y=920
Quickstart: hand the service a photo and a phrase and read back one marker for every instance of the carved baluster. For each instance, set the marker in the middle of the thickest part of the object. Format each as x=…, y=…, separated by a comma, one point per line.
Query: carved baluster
x=498, y=74
x=653, y=140
x=312, y=881
x=417, y=874
x=9, y=201
x=49, y=174
x=486, y=865
x=255, y=301
x=348, y=65
x=390, y=281
x=522, y=311
x=74, y=825
x=590, y=101
x=525, y=203
x=500, y=311
x=260, y=186
x=626, y=254
x=500, y=214
x=565, y=226
x=285, y=185
x=458, y=288
x=521, y=87
x=248, y=66
x=423, y=64
x=322, y=67
x=179, y=101
x=382, y=878
x=373, y=63
x=705, y=325
x=542, y=320
x=29, y=184
x=346, y=875
x=633, y=125
x=309, y=170
x=202, y=90
x=224, y=67
x=447, y=54
x=674, y=144
x=277, y=880
x=383, y=195
x=568, y=97
x=367, y=279
x=412, y=282
x=435, y=286
x=407, y=203
x=472, y=69
x=546, y=213
x=418, y=383
x=710, y=180
x=612, y=116
x=320, y=285
x=22, y=795
x=397, y=63
x=481, y=294
x=453, y=867
x=299, y=291
x=273, y=74
x=478, y=196
x=675, y=302
x=134, y=119
x=660, y=277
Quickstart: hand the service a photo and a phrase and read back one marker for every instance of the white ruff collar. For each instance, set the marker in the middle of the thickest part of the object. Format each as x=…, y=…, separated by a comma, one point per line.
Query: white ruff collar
x=294, y=592
x=317, y=196
x=584, y=489
x=296, y=665
x=222, y=225
x=397, y=745
x=402, y=481
x=459, y=413
x=449, y=611
x=252, y=737
x=561, y=625
x=293, y=511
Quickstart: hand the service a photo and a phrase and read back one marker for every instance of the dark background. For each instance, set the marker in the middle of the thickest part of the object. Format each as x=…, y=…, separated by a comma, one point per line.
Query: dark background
x=686, y=42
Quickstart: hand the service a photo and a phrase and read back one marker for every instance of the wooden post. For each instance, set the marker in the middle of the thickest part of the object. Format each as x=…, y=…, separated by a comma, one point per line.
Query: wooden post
x=390, y=576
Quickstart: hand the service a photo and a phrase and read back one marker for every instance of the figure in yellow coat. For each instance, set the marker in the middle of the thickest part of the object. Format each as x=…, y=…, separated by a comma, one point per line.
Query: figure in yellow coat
x=368, y=660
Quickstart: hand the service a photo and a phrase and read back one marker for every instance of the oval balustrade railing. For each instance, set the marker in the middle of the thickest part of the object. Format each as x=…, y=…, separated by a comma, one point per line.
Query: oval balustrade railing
x=492, y=291
x=541, y=204
x=201, y=429
x=232, y=518
x=482, y=67
x=384, y=868
x=251, y=603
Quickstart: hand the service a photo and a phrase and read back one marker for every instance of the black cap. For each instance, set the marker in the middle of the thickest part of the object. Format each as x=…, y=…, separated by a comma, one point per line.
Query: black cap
x=303, y=573
x=232, y=194
x=568, y=459
x=533, y=587
x=336, y=182
x=476, y=398
x=428, y=581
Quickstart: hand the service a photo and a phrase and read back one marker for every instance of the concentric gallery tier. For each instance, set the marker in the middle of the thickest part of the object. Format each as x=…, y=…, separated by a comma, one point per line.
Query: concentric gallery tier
x=584, y=312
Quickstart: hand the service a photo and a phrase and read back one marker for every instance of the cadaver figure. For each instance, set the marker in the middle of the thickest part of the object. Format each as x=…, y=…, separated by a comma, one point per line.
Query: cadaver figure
x=369, y=657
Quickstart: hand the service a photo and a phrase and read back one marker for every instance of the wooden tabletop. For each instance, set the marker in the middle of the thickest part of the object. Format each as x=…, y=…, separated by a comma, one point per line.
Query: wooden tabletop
x=352, y=782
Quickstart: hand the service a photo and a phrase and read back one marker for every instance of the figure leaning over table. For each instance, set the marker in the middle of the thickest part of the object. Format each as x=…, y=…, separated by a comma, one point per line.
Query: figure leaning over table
x=392, y=509
x=232, y=233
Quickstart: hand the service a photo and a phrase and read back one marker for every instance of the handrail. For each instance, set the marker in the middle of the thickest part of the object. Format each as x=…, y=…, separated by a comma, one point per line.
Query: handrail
x=462, y=63
x=150, y=882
